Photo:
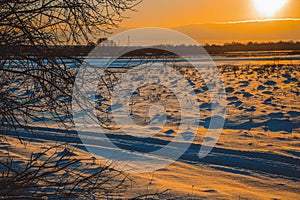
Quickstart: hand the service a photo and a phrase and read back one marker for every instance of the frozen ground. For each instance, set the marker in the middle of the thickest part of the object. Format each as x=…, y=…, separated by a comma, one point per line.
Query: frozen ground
x=256, y=157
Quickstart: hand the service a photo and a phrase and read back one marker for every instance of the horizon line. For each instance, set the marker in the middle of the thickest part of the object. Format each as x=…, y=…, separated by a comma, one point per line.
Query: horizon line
x=219, y=22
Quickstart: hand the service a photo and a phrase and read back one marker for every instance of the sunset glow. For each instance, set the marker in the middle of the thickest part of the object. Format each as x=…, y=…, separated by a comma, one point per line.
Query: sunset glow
x=217, y=21
x=150, y=99
x=268, y=8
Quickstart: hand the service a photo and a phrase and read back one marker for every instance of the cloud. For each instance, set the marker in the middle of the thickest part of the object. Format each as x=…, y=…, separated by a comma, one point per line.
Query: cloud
x=257, y=20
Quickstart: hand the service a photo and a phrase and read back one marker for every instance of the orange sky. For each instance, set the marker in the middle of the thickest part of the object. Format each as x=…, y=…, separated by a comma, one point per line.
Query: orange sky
x=173, y=13
x=197, y=19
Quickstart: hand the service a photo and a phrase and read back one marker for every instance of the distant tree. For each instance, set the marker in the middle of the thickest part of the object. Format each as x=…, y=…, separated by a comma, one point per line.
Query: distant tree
x=105, y=42
x=100, y=40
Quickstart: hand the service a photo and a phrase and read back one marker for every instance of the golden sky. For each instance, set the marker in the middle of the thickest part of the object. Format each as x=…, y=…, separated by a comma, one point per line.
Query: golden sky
x=218, y=21
x=173, y=13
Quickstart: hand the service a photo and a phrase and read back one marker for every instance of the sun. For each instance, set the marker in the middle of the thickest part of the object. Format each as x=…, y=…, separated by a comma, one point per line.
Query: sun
x=268, y=8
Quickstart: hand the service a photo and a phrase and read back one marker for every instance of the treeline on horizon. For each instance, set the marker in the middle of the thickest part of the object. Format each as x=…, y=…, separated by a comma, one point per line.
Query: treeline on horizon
x=253, y=46
x=84, y=50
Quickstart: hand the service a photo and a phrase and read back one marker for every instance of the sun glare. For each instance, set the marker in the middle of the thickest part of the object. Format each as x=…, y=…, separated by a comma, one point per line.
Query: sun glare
x=268, y=8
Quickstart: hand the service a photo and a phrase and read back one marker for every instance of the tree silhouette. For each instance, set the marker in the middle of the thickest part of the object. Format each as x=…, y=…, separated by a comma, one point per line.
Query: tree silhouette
x=36, y=82
x=36, y=86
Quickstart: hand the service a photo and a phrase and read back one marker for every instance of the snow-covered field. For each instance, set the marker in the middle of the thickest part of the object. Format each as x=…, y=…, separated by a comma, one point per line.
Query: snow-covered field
x=256, y=157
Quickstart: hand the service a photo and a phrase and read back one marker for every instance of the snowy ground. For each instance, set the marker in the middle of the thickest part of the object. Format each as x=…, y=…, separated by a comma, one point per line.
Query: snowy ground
x=256, y=157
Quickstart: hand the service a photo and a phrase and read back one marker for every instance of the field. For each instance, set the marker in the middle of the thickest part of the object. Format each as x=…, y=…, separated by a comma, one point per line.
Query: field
x=257, y=155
